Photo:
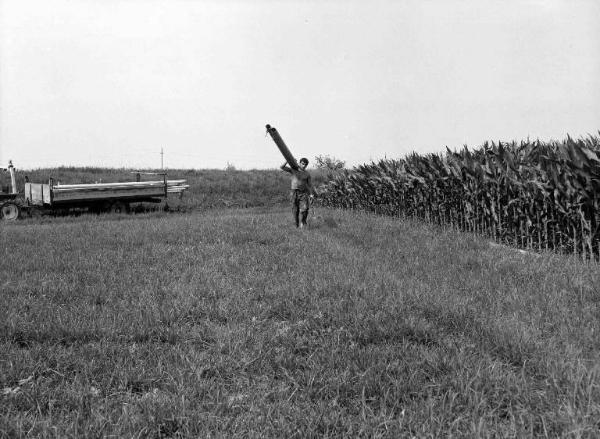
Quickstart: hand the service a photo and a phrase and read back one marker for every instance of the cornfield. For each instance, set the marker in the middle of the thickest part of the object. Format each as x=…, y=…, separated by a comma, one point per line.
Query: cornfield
x=534, y=195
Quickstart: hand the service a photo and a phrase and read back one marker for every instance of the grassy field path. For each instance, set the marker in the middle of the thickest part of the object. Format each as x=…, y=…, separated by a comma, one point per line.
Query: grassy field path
x=232, y=323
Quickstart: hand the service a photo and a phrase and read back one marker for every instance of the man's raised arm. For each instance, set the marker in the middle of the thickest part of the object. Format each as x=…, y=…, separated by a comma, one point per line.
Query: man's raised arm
x=286, y=168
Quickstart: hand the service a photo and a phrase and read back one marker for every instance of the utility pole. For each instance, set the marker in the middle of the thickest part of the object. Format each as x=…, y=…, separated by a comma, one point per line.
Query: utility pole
x=161, y=158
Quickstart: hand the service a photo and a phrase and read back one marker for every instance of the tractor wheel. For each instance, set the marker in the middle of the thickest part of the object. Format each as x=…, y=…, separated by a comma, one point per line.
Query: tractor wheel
x=10, y=211
x=119, y=207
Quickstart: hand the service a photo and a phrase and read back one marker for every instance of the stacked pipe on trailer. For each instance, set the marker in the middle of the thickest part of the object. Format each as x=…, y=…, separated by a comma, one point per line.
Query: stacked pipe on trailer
x=174, y=185
x=62, y=193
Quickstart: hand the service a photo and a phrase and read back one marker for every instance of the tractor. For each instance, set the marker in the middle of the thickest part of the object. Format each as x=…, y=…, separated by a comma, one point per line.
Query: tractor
x=10, y=207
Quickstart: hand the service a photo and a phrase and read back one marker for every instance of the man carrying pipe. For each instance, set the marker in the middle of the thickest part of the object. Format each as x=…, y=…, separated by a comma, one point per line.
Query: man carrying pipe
x=302, y=192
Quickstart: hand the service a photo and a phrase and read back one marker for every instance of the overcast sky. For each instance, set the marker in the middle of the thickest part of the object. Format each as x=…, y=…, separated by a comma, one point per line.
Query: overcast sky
x=111, y=82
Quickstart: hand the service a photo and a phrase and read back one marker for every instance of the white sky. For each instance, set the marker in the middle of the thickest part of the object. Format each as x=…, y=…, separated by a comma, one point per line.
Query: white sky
x=110, y=82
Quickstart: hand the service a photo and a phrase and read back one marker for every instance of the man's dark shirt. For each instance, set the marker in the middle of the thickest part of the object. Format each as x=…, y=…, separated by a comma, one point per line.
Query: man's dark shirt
x=300, y=179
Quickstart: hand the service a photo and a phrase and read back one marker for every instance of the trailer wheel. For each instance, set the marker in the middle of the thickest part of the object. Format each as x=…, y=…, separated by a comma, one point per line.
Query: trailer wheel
x=10, y=211
x=119, y=207
x=34, y=212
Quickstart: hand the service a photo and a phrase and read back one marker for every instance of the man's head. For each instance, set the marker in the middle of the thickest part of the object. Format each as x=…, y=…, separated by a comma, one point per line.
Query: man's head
x=303, y=163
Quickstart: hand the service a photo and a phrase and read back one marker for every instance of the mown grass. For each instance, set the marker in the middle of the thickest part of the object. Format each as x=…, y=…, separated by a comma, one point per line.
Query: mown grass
x=234, y=324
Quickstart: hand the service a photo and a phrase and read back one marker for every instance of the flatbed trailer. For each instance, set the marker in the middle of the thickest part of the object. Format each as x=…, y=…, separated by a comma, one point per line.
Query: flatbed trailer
x=94, y=197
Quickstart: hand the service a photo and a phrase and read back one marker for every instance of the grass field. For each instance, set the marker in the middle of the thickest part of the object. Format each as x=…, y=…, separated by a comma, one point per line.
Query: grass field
x=231, y=323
